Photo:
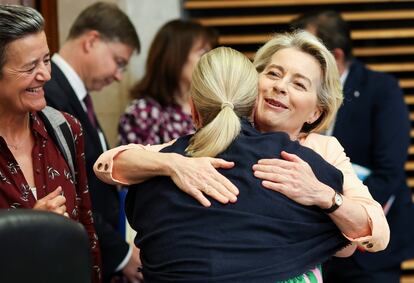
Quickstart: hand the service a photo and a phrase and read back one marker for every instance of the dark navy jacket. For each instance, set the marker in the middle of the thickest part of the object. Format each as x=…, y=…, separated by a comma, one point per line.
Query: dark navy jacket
x=373, y=127
x=105, y=200
x=263, y=237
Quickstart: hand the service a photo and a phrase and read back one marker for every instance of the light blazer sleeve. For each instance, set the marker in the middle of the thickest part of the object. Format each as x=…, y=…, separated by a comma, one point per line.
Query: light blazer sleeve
x=104, y=165
x=332, y=151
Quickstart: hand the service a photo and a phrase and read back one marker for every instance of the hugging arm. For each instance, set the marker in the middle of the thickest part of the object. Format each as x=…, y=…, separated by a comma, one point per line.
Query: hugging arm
x=360, y=217
x=294, y=178
x=197, y=177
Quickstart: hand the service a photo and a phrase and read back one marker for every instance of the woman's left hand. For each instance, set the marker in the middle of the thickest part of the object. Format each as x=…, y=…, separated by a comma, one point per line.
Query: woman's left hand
x=294, y=178
x=198, y=176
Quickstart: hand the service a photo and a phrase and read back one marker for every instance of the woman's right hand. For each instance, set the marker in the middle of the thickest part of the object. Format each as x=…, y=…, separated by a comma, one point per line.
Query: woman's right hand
x=54, y=202
x=198, y=177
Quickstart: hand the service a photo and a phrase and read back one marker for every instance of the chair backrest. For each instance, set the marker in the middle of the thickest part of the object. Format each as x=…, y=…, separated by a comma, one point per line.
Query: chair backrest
x=42, y=247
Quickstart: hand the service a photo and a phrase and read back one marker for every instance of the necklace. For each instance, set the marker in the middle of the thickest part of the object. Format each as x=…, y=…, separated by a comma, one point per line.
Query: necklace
x=26, y=133
x=19, y=145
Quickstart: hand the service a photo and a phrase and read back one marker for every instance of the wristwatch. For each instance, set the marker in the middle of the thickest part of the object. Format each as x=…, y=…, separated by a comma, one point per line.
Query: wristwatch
x=337, y=201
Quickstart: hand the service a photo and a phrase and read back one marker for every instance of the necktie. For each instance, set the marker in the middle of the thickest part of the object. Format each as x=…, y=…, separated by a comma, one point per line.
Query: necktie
x=89, y=109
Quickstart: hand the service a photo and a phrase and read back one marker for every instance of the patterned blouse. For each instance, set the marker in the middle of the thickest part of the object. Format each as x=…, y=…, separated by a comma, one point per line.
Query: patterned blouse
x=51, y=171
x=145, y=121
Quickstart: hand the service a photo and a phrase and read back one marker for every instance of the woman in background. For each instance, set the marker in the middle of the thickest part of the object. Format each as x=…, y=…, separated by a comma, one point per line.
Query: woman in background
x=160, y=111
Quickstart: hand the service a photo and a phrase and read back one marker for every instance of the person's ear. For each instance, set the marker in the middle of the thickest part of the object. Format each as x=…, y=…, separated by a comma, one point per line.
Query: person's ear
x=314, y=116
x=340, y=59
x=338, y=54
x=89, y=40
x=195, y=115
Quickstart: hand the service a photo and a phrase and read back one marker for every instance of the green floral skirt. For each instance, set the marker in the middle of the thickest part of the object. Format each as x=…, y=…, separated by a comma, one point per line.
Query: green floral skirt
x=312, y=276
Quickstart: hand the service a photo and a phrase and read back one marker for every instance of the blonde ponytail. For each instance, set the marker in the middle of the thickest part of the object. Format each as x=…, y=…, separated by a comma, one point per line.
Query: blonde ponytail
x=223, y=89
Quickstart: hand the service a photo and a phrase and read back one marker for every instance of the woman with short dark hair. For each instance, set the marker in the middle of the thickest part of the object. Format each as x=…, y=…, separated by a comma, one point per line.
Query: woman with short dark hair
x=33, y=172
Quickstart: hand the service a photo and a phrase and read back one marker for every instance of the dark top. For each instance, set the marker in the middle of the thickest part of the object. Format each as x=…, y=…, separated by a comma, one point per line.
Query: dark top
x=51, y=171
x=105, y=200
x=374, y=128
x=263, y=237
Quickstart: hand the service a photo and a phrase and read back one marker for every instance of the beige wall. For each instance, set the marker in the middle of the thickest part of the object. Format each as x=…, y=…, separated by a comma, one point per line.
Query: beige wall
x=147, y=16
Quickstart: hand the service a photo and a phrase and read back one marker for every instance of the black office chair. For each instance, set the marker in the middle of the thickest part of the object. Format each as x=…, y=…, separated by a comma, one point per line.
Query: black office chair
x=42, y=247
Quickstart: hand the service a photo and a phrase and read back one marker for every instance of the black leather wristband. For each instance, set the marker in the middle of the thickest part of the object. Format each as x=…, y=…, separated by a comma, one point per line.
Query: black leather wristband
x=337, y=201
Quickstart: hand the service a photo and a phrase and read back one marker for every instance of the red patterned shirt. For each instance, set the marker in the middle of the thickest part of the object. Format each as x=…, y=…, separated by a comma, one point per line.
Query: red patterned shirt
x=50, y=171
x=145, y=121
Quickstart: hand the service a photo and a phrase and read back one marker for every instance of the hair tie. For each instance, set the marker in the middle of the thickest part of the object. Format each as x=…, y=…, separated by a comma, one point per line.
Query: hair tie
x=227, y=104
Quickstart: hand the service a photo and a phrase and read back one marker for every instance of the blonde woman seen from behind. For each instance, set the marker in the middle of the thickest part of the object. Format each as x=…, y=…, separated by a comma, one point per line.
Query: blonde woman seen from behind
x=220, y=101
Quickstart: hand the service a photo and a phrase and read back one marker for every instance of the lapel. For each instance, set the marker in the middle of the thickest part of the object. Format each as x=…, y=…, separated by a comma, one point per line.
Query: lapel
x=75, y=107
x=354, y=79
x=351, y=90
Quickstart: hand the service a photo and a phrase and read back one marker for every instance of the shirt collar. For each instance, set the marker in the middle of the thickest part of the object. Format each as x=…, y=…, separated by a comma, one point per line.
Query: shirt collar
x=344, y=76
x=74, y=80
x=37, y=125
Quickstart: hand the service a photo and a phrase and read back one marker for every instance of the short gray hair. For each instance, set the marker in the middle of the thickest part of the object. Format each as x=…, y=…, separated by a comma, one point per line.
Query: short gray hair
x=111, y=23
x=17, y=22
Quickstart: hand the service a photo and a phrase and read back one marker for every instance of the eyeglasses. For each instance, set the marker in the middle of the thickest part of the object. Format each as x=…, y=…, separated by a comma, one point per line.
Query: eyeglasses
x=120, y=62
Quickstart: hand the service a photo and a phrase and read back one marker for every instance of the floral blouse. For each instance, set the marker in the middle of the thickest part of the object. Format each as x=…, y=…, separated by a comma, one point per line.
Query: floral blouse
x=145, y=121
x=51, y=171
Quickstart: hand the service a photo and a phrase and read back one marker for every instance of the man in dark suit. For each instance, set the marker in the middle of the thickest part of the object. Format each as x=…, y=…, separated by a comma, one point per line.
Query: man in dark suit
x=373, y=126
x=99, y=46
